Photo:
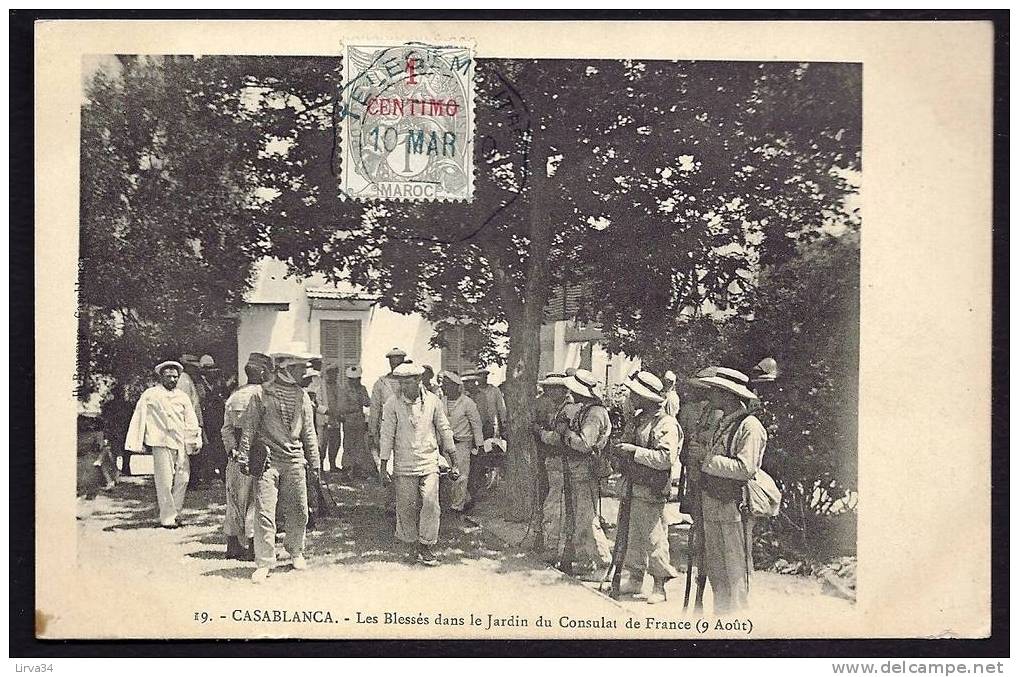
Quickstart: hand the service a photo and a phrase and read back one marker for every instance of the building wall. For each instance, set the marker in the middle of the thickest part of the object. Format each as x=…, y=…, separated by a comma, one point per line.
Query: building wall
x=263, y=329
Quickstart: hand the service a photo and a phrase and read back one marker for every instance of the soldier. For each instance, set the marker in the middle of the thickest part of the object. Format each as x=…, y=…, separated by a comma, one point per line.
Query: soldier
x=351, y=402
x=188, y=384
x=415, y=433
x=582, y=432
x=554, y=396
x=671, y=396
x=465, y=422
x=278, y=443
x=491, y=404
x=381, y=391
x=649, y=448
x=210, y=390
x=166, y=421
x=732, y=458
x=698, y=419
x=239, y=523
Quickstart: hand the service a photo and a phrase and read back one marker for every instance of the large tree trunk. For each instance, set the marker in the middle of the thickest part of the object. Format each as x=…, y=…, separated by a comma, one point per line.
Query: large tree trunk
x=520, y=485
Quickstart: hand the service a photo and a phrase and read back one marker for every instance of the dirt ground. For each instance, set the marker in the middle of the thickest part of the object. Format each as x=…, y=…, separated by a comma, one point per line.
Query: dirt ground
x=166, y=581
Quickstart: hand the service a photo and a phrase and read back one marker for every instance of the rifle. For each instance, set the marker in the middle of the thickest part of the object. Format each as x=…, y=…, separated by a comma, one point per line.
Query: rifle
x=622, y=543
x=695, y=545
x=570, y=526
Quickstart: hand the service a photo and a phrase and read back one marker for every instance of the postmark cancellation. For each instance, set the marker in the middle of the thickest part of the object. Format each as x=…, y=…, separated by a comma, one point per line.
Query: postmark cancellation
x=406, y=122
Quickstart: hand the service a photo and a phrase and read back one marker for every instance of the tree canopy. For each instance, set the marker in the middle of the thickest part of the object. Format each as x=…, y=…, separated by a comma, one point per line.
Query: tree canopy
x=664, y=187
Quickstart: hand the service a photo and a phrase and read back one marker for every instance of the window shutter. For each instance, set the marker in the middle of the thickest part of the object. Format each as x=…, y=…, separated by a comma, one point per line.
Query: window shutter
x=341, y=343
x=452, y=352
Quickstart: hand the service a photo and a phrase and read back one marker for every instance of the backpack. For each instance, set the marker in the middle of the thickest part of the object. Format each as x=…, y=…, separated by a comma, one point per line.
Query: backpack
x=601, y=461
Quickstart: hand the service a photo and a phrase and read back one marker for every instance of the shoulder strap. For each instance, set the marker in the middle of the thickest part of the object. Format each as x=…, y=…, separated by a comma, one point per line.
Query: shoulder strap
x=732, y=433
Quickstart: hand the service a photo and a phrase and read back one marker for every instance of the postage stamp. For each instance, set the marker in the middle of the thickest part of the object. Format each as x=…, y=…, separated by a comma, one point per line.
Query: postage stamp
x=406, y=122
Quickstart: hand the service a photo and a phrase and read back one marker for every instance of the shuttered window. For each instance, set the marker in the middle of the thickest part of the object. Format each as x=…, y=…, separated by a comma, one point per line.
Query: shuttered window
x=341, y=343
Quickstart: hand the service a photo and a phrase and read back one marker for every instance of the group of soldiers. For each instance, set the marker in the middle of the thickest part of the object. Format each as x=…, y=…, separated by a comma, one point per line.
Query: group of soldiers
x=581, y=444
x=417, y=434
x=272, y=428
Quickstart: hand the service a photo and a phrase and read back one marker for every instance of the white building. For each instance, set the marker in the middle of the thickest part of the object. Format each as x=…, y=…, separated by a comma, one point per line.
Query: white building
x=348, y=327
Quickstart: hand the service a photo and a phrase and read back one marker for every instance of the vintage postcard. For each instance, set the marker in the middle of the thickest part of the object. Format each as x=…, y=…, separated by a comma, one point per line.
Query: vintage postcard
x=496, y=329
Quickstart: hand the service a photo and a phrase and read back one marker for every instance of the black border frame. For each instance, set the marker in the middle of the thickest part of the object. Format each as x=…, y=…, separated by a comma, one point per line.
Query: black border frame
x=22, y=360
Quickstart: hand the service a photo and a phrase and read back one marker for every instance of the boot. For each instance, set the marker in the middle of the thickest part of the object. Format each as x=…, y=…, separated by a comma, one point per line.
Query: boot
x=426, y=556
x=631, y=583
x=249, y=554
x=233, y=548
x=657, y=595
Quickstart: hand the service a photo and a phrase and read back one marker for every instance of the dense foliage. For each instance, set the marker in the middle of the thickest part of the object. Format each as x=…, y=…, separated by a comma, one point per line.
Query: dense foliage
x=667, y=187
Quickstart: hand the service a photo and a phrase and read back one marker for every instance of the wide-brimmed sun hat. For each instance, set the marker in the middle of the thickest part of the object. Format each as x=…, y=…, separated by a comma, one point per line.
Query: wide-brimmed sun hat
x=647, y=385
x=731, y=380
x=553, y=378
x=696, y=381
x=206, y=362
x=168, y=363
x=582, y=383
x=353, y=372
x=396, y=352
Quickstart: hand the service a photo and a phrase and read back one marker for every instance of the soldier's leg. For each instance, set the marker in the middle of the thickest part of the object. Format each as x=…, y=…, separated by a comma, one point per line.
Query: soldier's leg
x=428, y=520
x=658, y=557
x=294, y=487
x=339, y=442
x=233, y=520
x=181, y=476
x=593, y=550
x=638, y=543
x=552, y=512
x=266, y=496
x=163, y=468
x=406, y=494
x=725, y=563
x=458, y=495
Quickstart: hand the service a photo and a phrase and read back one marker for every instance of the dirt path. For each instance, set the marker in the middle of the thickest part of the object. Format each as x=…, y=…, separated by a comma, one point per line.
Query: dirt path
x=161, y=582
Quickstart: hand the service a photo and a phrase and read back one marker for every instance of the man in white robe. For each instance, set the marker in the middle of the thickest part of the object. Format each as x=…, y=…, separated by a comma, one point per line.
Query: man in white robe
x=165, y=421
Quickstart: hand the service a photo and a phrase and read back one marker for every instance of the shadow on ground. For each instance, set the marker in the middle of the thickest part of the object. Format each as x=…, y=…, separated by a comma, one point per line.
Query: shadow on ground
x=357, y=533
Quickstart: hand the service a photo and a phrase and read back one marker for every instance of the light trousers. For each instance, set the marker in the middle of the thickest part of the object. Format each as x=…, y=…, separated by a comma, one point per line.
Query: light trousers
x=458, y=494
x=590, y=544
x=285, y=484
x=240, y=503
x=417, y=508
x=171, y=470
x=728, y=559
x=647, y=546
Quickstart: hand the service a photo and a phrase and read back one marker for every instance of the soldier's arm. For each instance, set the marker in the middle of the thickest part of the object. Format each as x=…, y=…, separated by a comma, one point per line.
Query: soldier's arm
x=135, y=440
x=663, y=454
x=193, y=423
x=251, y=419
x=590, y=432
x=474, y=418
x=375, y=413
x=444, y=432
x=309, y=438
x=226, y=433
x=387, y=430
x=748, y=443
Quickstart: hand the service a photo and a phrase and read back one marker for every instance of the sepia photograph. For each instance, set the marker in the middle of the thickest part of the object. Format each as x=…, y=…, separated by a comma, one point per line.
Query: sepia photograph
x=418, y=337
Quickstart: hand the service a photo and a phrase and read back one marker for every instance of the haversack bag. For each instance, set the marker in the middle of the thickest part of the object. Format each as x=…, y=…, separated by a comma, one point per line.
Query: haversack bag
x=763, y=498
